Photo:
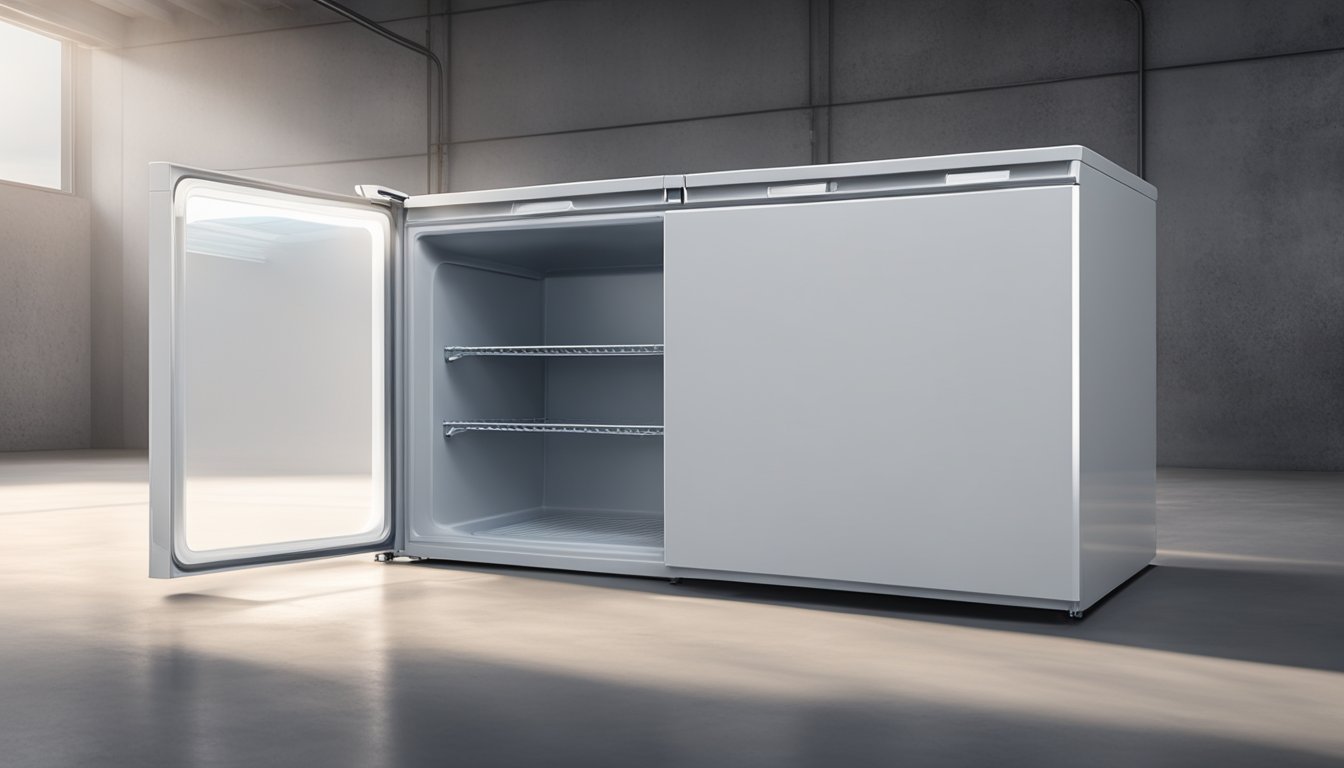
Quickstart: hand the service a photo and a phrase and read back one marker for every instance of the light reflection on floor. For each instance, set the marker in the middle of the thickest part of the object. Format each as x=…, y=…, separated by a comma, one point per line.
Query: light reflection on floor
x=1217, y=657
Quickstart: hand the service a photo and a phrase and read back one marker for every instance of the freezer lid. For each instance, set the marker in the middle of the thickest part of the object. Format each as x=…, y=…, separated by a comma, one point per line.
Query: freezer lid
x=272, y=359
x=638, y=193
x=914, y=175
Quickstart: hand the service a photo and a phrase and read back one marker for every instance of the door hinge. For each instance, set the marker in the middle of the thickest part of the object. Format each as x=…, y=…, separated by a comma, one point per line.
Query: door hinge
x=378, y=192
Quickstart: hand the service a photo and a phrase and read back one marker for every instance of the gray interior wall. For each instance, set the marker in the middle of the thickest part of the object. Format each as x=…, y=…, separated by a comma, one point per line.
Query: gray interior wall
x=1244, y=98
x=597, y=471
x=564, y=299
x=501, y=473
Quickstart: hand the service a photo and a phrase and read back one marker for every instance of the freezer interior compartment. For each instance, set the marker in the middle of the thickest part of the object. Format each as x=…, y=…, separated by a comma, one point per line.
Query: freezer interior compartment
x=548, y=388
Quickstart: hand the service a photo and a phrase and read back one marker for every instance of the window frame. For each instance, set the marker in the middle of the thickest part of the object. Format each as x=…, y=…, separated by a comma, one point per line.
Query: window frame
x=67, y=115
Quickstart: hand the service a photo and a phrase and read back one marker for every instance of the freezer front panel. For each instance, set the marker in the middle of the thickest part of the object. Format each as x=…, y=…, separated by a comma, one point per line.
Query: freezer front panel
x=876, y=391
x=270, y=375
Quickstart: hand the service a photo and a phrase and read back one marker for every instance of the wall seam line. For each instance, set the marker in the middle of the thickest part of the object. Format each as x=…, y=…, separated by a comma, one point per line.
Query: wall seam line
x=415, y=155
x=886, y=99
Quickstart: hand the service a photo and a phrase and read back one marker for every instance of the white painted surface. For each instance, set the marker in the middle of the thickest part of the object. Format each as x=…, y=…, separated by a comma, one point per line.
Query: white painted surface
x=874, y=391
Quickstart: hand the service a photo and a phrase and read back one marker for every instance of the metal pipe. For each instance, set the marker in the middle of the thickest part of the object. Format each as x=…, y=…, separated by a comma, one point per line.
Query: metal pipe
x=1138, y=6
x=440, y=115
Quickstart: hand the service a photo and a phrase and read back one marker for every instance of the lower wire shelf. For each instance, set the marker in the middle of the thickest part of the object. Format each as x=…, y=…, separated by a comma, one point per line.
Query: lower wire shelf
x=571, y=350
x=451, y=428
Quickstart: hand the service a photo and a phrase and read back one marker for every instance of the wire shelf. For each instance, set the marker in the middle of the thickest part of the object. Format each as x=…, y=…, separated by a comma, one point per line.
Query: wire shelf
x=451, y=428
x=576, y=350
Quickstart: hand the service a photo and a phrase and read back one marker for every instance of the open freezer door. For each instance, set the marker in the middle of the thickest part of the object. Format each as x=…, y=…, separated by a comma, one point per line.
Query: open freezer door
x=270, y=352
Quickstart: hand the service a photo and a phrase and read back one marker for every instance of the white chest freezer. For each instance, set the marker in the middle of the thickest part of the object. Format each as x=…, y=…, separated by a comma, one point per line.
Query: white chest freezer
x=929, y=376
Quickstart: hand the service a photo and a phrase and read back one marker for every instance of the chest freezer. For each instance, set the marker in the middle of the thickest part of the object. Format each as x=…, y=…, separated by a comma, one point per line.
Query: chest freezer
x=926, y=376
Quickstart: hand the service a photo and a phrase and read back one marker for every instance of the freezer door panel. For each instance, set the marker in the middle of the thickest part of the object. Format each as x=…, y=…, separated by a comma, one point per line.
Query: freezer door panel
x=877, y=391
x=270, y=359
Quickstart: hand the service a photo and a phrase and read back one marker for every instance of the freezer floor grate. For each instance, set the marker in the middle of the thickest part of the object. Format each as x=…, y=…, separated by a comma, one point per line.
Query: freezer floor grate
x=625, y=529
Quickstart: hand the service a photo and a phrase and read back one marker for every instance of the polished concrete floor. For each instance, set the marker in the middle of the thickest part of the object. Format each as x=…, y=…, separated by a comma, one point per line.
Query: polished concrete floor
x=1228, y=652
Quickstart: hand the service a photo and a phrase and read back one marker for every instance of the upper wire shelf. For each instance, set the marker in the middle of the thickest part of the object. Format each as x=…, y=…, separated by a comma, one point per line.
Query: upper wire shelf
x=451, y=428
x=574, y=350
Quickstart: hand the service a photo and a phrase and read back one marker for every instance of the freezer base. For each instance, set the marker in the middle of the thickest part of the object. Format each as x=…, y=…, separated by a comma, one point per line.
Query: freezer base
x=484, y=552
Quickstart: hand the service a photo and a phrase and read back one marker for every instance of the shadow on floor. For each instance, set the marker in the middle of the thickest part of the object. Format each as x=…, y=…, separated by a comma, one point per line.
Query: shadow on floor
x=1254, y=615
x=180, y=707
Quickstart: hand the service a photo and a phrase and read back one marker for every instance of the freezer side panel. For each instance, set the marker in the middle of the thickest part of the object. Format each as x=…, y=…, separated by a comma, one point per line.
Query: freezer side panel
x=161, y=420
x=875, y=391
x=1117, y=519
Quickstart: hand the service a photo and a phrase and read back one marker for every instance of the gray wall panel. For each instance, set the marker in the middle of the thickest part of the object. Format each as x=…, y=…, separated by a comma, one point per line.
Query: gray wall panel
x=44, y=320
x=883, y=48
x=774, y=138
x=238, y=19
x=135, y=307
x=559, y=66
x=1098, y=113
x=309, y=95
x=107, y=291
x=404, y=174
x=1188, y=31
x=467, y=6
x=1250, y=164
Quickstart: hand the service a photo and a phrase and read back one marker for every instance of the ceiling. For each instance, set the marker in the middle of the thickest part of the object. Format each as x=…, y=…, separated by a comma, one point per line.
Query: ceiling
x=103, y=23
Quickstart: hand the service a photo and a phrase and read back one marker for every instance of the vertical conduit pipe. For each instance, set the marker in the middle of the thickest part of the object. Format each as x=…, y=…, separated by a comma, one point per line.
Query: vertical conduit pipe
x=1143, y=142
x=440, y=114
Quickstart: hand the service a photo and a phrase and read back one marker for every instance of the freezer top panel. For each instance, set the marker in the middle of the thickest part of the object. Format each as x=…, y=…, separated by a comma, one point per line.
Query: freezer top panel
x=643, y=192
x=1043, y=166
x=1007, y=168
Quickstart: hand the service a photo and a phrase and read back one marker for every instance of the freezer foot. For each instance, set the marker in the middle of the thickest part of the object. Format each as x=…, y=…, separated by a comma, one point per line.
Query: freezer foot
x=383, y=557
x=1075, y=613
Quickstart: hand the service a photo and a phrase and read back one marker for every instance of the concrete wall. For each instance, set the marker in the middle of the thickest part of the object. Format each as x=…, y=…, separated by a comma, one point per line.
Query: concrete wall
x=44, y=319
x=1242, y=117
x=1244, y=142
x=1249, y=157
x=45, y=276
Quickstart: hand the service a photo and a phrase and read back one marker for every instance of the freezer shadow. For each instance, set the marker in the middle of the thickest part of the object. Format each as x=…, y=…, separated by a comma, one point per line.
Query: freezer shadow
x=513, y=716
x=1247, y=615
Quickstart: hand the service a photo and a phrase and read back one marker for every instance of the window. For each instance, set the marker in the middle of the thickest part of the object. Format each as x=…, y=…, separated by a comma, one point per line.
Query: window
x=33, y=132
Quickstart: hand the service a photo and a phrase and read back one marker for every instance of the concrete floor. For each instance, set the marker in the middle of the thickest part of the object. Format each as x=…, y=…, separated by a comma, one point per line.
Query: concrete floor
x=1228, y=652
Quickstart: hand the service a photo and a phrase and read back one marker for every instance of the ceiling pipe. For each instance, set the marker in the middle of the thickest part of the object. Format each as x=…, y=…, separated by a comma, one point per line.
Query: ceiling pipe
x=441, y=113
